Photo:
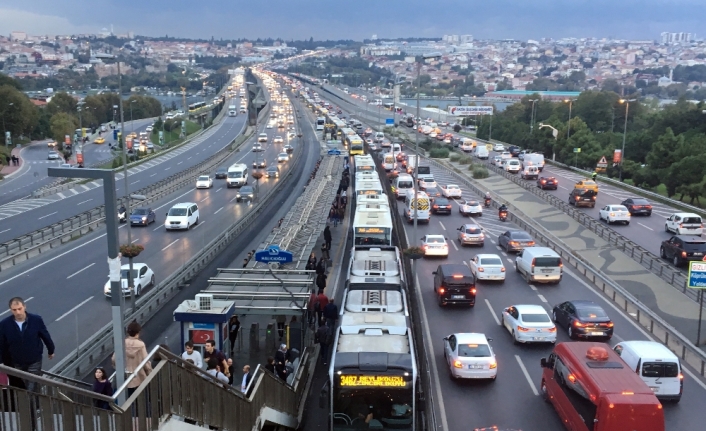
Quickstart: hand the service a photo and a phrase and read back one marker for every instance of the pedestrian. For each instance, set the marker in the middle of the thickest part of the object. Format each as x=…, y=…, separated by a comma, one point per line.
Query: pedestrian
x=331, y=313
x=281, y=362
x=231, y=370
x=191, y=353
x=324, y=251
x=344, y=198
x=311, y=263
x=321, y=281
x=233, y=330
x=215, y=370
x=341, y=213
x=319, y=305
x=327, y=237
x=321, y=267
x=247, y=376
x=135, y=353
x=212, y=352
x=21, y=338
x=334, y=215
x=322, y=337
x=270, y=365
x=245, y=263
x=101, y=385
x=281, y=323
x=7, y=159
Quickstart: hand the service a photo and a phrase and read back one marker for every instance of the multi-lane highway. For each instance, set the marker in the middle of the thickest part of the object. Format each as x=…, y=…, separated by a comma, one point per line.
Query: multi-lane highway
x=66, y=286
x=27, y=215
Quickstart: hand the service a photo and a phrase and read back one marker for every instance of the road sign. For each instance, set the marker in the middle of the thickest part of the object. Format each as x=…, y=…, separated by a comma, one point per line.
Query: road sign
x=470, y=110
x=115, y=134
x=577, y=150
x=273, y=254
x=603, y=163
x=334, y=152
x=697, y=275
x=389, y=121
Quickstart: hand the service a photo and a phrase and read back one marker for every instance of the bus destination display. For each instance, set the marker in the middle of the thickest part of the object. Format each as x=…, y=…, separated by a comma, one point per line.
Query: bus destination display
x=379, y=381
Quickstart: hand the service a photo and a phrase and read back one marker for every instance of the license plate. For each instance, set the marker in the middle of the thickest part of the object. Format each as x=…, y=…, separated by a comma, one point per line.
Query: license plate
x=654, y=389
x=698, y=254
x=538, y=338
x=475, y=367
x=457, y=296
x=547, y=270
x=597, y=333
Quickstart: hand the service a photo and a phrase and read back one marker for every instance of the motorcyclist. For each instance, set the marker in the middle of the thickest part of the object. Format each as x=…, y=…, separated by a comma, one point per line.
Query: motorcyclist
x=594, y=175
x=502, y=209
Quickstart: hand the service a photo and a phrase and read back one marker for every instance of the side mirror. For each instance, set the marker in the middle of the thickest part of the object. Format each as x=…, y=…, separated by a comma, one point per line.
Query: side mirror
x=167, y=214
x=446, y=338
x=543, y=362
x=489, y=339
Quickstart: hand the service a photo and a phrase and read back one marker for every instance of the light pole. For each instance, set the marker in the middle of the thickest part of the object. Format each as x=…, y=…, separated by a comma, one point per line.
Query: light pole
x=555, y=133
x=7, y=141
x=532, y=116
x=568, y=129
x=625, y=132
x=132, y=123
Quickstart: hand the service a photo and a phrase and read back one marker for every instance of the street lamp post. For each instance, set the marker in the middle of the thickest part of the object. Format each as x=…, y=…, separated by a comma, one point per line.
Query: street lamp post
x=132, y=123
x=7, y=142
x=625, y=132
x=555, y=133
x=568, y=129
x=532, y=116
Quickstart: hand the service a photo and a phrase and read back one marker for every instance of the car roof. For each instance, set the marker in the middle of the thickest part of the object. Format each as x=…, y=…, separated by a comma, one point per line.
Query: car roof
x=470, y=224
x=530, y=308
x=183, y=204
x=517, y=231
x=471, y=338
x=691, y=238
x=134, y=266
x=487, y=255
x=435, y=236
x=578, y=303
x=686, y=215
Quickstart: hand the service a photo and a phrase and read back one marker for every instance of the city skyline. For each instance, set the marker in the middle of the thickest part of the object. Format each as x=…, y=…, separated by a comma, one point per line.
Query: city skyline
x=503, y=19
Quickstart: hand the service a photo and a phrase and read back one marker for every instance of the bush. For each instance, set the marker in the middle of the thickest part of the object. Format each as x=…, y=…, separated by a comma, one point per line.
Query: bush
x=465, y=160
x=455, y=157
x=439, y=153
x=480, y=172
x=457, y=128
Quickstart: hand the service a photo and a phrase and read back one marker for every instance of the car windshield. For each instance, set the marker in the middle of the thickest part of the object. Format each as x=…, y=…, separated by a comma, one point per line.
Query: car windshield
x=692, y=220
x=140, y=211
x=520, y=235
x=534, y=318
x=246, y=189
x=491, y=261
x=283, y=155
x=590, y=312
x=474, y=350
x=472, y=203
x=640, y=202
x=432, y=191
x=442, y=201
x=472, y=229
x=272, y=169
x=176, y=212
x=125, y=274
x=203, y=178
x=435, y=239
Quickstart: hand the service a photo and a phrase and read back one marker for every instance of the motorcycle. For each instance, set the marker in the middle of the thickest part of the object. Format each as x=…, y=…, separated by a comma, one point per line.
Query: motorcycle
x=122, y=216
x=487, y=202
x=503, y=215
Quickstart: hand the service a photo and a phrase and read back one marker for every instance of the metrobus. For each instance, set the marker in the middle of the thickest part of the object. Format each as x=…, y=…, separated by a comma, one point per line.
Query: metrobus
x=196, y=106
x=373, y=374
x=320, y=122
x=592, y=389
x=355, y=145
x=388, y=106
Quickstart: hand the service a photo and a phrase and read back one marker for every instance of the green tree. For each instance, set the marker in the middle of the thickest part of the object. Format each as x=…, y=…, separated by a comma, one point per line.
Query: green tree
x=63, y=124
x=19, y=114
x=62, y=102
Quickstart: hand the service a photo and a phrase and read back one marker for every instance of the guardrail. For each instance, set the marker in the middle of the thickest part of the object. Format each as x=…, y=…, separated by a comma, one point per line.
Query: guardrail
x=633, y=308
x=79, y=362
x=37, y=242
x=652, y=262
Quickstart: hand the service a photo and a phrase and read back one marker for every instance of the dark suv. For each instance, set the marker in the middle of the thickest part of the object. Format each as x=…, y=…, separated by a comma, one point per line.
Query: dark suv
x=683, y=248
x=455, y=284
x=582, y=198
x=441, y=206
x=514, y=150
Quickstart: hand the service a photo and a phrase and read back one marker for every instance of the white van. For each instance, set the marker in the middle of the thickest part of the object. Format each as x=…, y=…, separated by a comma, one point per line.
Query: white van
x=237, y=175
x=388, y=162
x=533, y=159
x=396, y=149
x=402, y=183
x=530, y=173
x=658, y=367
x=467, y=145
x=422, y=204
x=539, y=265
x=482, y=152
x=182, y=216
x=684, y=224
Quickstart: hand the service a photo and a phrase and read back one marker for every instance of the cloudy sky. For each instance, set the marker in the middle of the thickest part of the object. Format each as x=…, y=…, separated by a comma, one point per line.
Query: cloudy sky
x=358, y=19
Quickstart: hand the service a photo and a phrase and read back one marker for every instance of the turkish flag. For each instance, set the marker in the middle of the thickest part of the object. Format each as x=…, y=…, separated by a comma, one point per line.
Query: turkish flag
x=199, y=336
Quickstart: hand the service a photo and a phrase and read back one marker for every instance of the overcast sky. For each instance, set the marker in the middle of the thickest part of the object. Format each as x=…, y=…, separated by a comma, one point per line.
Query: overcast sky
x=358, y=19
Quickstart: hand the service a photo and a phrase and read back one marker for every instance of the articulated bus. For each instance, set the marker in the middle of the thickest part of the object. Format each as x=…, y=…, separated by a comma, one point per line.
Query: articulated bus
x=592, y=389
x=196, y=106
x=355, y=145
x=373, y=372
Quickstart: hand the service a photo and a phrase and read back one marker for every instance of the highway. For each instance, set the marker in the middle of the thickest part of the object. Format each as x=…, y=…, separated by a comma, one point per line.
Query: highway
x=512, y=400
x=66, y=286
x=24, y=216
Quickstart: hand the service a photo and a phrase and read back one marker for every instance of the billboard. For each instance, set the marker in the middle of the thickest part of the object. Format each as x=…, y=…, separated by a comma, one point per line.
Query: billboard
x=470, y=110
x=617, y=156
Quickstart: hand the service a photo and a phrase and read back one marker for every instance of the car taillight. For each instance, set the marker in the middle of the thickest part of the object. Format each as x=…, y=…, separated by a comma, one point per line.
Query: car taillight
x=683, y=254
x=458, y=364
x=612, y=214
x=436, y=206
x=426, y=247
x=502, y=269
x=493, y=365
x=513, y=242
x=552, y=329
x=522, y=329
x=578, y=324
x=531, y=243
x=594, y=198
x=473, y=290
x=442, y=290
x=609, y=324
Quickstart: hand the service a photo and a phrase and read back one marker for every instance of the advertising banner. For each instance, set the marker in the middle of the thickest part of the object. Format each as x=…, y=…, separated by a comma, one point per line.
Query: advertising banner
x=617, y=156
x=470, y=110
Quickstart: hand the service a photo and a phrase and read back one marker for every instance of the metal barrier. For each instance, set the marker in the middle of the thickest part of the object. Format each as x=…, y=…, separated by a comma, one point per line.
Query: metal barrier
x=633, y=308
x=100, y=344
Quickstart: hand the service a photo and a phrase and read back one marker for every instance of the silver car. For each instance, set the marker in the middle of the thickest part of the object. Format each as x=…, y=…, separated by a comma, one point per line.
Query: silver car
x=53, y=155
x=471, y=234
x=272, y=172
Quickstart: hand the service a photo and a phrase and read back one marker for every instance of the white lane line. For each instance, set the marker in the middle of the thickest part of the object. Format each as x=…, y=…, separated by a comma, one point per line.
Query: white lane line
x=234, y=199
x=26, y=301
x=61, y=195
x=73, y=309
x=533, y=287
x=180, y=163
x=646, y=227
x=134, y=240
x=219, y=189
x=157, y=228
x=453, y=243
x=442, y=225
x=170, y=244
x=83, y=202
x=175, y=199
x=153, y=174
x=134, y=182
x=542, y=298
x=201, y=222
x=47, y=215
x=203, y=199
x=495, y=316
x=218, y=210
x=6, y=230
x=527, y=376
x=80, y=271
x=563, y=187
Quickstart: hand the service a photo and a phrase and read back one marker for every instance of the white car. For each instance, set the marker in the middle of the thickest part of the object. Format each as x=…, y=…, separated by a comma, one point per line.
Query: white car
x=149, y=128
x=469, y=356
x=182, y=216
x=53, y=155
x=496, y=160
x=435, y=245
x=262, y=137
x=426, y=183
x=257, y=147
x=270, y=126
x=499, y=147
x=291, y=135
x=451, y=191
x=512, y=165
x=204, y=182
x=684, y=224
x=470, y=207
x=529, y=324
x=488, y=267
x=282, y=157
x=143, y=277
x=614, y=213
x=505, y=155
x=278, y=140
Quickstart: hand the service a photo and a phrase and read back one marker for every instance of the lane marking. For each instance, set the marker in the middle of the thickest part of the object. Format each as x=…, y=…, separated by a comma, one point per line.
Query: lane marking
x=646, y=227
x=80, y=271
x=200, y=223
x=6, y=230
x=157, y=228
x=453, y=243
x=83, y=202
x=218, y=210
x=542, y=298
x=527, y=376
x=495, y=316
x=153, y=174
x=73, y=309
x=203, y=199
x=442, y=225
x=170, y=244
x=533, y=287
x=47, y=215
x=26, y=301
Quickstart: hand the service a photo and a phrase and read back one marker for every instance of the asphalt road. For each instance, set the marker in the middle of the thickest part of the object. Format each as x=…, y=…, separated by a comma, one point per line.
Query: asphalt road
x=29, y=216
x=512, y=400
x=66, y=286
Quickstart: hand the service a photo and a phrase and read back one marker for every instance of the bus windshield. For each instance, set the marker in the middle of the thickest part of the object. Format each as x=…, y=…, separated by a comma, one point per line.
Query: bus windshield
x=372, y=238
x=381, y=408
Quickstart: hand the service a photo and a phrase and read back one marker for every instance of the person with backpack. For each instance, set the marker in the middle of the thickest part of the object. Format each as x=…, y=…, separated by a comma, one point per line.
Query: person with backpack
x=323, y=338
x=319, y=305
x=331, y=313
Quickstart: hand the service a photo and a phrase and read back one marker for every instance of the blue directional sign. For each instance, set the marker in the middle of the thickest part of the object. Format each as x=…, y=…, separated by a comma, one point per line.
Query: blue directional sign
x=389, y=121
x=115, y=134
x=273, y=254
x=697, y=275
x=334, y=152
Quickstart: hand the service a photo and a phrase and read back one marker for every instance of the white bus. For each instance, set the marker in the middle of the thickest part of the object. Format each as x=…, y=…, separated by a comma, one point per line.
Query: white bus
x=320, y=122
x=232, y=111
x=372, y=226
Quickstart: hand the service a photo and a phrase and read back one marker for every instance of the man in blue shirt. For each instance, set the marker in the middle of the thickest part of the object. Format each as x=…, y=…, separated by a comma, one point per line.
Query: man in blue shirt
x=21, y=338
